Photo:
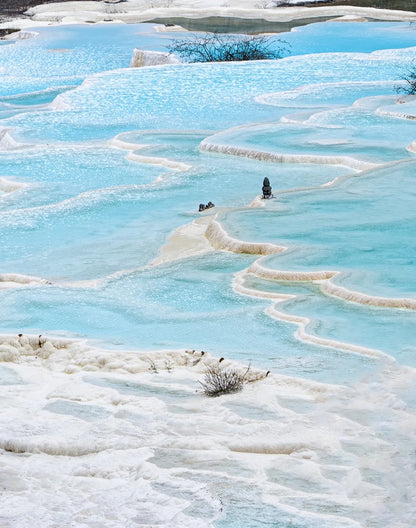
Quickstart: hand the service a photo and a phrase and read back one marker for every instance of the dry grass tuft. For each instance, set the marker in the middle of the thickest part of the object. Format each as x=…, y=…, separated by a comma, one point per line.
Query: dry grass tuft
x=218, y=381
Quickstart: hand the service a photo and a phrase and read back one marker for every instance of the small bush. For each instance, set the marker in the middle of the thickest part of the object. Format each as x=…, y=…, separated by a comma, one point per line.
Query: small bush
x=227, y=48
x=217, y=381
x=410, y=79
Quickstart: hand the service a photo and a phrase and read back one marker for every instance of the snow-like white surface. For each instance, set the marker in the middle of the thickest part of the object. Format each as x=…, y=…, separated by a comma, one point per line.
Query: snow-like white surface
x=134, y=11
x=142, y=58
x=90, y=437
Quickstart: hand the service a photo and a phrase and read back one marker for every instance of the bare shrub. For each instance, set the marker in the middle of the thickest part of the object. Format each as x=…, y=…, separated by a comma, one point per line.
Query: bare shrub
x=227, y=48
x=410, y=79
x=153, y=367
x=218, y=381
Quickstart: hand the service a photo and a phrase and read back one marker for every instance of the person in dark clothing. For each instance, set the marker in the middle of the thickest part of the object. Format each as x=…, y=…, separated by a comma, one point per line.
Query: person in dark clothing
x=202, y=207
x=267, y=190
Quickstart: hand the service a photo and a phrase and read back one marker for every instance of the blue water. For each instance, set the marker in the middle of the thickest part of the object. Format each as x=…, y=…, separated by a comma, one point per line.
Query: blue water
x=129, y=99
x=362, y=227
x=359, y=134
x=88, y=212
x=59, y=53
x=89, y=221
x=363, y=37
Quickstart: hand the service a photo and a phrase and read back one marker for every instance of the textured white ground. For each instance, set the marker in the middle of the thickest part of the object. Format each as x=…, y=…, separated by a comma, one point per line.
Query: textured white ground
x=134, y=11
